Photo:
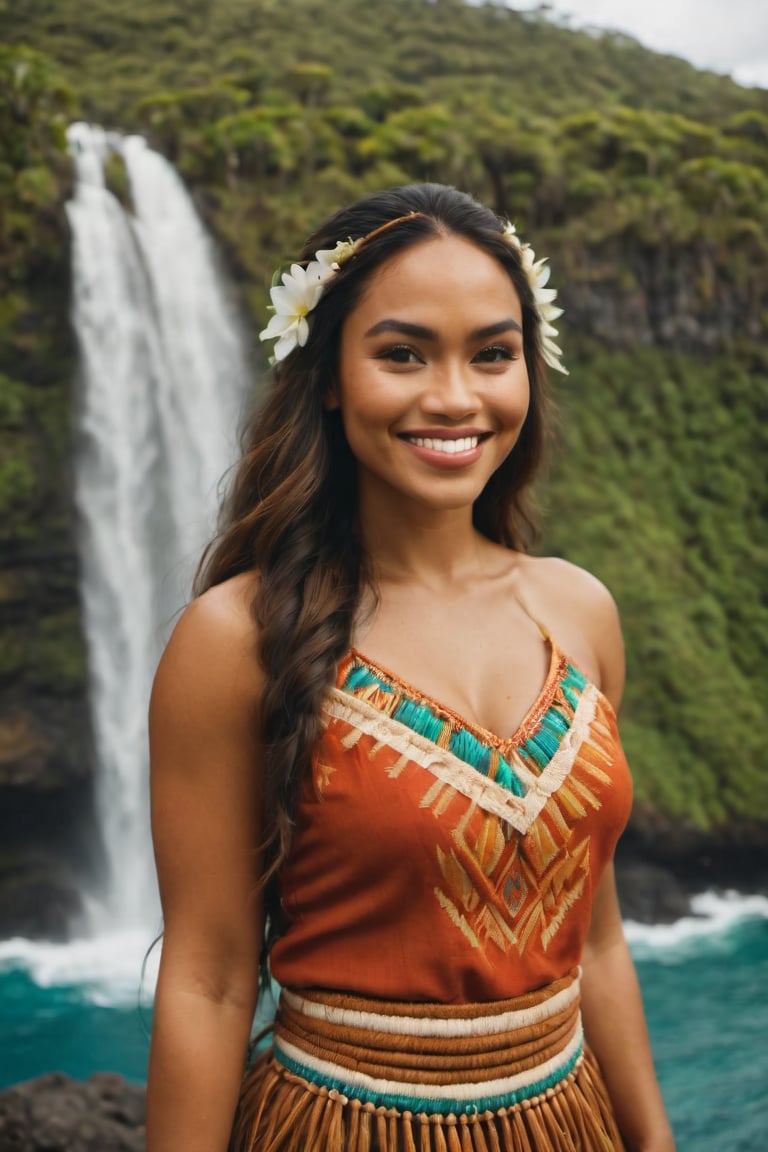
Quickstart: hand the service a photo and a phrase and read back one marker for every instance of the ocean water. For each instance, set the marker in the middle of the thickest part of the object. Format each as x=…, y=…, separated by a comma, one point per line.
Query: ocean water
x=82, y=1008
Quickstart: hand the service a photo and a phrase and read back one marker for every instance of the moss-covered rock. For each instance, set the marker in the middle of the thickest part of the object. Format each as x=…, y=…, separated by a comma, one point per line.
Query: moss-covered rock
x=46, y=762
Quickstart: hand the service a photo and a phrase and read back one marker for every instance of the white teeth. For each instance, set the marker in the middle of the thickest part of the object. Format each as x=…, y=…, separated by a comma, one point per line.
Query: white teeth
x=464, y=444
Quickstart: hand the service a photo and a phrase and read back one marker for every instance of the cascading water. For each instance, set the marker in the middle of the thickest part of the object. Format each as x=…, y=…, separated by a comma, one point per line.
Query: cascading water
x=162, y=382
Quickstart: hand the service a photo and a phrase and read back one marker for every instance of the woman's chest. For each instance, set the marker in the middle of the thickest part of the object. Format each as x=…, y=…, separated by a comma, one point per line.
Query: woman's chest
x=486, y=667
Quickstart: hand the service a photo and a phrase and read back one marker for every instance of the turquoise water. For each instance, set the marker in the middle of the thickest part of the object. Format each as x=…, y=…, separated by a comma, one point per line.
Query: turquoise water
x=705, y=986
x=707, y=1009
x=60, y=1029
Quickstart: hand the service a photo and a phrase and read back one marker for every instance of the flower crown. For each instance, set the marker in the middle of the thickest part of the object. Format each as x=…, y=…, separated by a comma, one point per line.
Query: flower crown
x=299, y=293
x=537, y=272
x=303, y=286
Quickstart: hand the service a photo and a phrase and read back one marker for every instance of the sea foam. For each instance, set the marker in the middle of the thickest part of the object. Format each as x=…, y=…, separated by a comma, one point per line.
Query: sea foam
x=106, y=969
x=119, y=967
x=713, y=917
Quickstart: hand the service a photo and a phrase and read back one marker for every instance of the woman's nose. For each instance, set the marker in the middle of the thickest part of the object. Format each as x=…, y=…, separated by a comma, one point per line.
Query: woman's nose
x=451, y=391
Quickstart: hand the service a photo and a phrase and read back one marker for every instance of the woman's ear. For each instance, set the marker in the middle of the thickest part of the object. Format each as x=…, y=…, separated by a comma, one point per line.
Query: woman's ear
x=331, y=398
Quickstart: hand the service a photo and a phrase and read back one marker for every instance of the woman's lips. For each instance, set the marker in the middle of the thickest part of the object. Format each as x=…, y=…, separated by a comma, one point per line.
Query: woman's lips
x=441, y=444
x=448, y=451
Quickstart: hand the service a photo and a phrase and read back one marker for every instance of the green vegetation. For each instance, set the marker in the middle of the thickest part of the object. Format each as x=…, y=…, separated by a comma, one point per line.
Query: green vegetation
x=41, y=645
x=35, y=178
x=357, y=54
x=660, y=491
x=643, y=179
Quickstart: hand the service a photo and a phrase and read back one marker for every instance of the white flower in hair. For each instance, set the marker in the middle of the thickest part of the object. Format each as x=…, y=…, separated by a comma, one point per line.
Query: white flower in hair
x=333, y=258
x=299, y=293
x=537, y=272
x=292, y=300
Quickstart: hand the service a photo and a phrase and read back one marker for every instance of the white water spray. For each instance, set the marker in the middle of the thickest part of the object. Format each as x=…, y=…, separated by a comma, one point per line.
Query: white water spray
x=163, y=377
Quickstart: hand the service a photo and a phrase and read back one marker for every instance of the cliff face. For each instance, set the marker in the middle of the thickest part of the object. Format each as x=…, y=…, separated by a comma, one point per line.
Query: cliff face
x=46, y=761
x=682, y=297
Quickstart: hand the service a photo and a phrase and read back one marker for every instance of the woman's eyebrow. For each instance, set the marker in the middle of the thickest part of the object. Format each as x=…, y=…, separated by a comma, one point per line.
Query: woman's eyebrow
x=508, y=325
x=419, y=332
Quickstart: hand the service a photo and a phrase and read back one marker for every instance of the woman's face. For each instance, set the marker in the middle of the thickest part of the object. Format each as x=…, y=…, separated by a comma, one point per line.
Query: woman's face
x=433, y=385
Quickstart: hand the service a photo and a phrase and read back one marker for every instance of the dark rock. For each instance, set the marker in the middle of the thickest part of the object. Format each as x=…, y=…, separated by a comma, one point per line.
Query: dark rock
x=650, y=894
x=626, y=293
x=40, y=901
x=660, y=866
x=57, y=1114
x=49, y=859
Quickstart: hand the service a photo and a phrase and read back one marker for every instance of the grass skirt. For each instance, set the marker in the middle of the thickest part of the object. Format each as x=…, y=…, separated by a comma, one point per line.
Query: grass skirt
x=346, y=1074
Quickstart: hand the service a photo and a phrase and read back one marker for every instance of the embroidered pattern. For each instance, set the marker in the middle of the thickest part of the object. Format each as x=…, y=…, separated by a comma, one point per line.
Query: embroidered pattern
x=518, y=859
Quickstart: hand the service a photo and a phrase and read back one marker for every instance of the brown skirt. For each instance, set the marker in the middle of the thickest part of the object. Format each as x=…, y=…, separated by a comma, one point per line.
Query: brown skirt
x=347, y=1074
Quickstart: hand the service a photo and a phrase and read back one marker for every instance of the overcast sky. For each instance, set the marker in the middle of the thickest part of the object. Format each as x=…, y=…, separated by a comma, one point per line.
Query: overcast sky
x=728, y=36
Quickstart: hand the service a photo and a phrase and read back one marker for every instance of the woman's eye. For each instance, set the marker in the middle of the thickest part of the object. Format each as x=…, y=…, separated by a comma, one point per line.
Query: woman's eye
x=399, y=354
x=496, y=354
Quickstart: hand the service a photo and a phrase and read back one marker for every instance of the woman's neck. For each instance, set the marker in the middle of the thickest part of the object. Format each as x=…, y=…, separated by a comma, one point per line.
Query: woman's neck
x=413, y=544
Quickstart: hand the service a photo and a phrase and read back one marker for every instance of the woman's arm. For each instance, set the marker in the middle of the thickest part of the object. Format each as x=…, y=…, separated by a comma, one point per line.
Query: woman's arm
x=612, y=1007
x=615, y=1028
x=205, y=771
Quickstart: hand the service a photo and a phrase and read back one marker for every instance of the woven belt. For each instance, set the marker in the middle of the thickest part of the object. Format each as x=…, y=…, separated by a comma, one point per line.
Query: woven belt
x=440, y=1059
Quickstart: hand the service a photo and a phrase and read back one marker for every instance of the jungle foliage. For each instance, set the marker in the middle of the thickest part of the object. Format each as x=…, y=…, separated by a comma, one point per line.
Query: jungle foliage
x=41, y=644
x=643, y=179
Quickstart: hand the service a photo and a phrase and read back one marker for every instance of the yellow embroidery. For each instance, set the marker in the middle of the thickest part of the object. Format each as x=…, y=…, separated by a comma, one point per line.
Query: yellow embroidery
x=323, y=773
x=500, y=891
x=517, y=864
x=456, y=917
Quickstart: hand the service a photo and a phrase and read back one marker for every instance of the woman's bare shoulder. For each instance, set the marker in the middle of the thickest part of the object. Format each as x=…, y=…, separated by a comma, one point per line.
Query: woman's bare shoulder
x=225, y=606
x=558, y=581
x=213, y=647
x=580, y=612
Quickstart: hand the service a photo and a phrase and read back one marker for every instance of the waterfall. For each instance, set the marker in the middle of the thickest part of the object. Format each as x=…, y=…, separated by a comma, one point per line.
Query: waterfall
x=162, y=381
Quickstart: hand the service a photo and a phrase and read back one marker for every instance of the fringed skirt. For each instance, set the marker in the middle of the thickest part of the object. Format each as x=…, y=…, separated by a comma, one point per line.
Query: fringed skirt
x=352, y=1075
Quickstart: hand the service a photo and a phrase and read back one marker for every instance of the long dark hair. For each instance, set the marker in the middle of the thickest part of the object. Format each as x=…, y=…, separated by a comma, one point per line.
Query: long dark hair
x=291, y=513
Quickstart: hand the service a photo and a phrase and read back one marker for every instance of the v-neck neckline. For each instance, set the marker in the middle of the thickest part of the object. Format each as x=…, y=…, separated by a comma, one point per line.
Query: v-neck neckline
x=527, y=726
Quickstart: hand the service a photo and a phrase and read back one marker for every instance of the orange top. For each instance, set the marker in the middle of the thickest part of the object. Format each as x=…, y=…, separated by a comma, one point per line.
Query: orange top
x=434, y=861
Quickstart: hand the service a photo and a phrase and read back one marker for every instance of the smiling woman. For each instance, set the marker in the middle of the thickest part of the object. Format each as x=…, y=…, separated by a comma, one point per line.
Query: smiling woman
x=416, y=842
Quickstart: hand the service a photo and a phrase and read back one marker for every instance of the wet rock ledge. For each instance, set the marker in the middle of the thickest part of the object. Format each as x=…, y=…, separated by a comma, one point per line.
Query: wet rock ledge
x=57, y=1114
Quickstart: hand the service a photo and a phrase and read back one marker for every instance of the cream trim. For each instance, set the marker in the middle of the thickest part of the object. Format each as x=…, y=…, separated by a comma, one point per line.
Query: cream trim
x=503, y=1086
x=444, y=1027
x=518, y=811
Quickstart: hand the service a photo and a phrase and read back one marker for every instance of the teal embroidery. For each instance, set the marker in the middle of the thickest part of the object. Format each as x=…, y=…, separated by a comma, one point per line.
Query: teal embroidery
x=542, y=744
x=446, y=730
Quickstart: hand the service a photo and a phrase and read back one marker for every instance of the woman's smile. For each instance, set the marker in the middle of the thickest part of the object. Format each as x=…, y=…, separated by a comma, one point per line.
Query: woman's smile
x=446, y=449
